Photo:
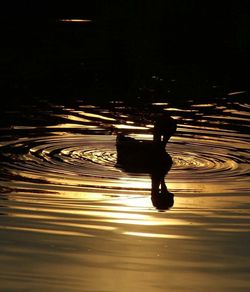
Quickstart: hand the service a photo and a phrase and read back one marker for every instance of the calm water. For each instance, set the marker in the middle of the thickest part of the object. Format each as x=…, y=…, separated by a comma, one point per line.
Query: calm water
x=72, y=221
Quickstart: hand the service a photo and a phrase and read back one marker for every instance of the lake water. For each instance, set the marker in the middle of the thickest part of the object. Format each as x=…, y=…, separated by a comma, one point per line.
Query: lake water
x=72, y=221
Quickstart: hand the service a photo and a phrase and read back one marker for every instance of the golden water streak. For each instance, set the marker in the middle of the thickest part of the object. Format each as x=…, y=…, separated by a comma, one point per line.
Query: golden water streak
x=75, y=20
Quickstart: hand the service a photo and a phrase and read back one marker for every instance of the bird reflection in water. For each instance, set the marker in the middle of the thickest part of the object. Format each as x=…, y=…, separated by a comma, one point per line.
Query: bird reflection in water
x=140, y=156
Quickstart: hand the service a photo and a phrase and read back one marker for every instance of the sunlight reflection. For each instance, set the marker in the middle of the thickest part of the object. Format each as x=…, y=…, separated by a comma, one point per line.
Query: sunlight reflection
x=108, y=217
x=203, y=105
x=71, y=126
x=84, y=226
x=46, y=231
x=159, y=103
x=75, y=20
x=120, y=126
x=236, y=92
x=143, y=136
x=148, y=220
x=180, y=110
x=73, y=118
x=141, y=202
x=136, y=183
x=92, y=115
x=228, y=229
x=158, y=235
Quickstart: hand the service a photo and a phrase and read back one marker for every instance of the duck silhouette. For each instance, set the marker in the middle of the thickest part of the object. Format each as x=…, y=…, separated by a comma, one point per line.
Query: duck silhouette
x=142, y=156
x=132, y=153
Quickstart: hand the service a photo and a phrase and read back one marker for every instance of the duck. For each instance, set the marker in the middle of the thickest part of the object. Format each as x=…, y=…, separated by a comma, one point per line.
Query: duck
x=147, y=156
x=143, y=156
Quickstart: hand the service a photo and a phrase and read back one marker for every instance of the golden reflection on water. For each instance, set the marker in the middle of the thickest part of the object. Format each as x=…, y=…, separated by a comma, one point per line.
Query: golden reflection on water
x=135, y=183
x=97, y=116
x=75, y=20
x=204, y=105
x=71, y=126
x=72, y=118
x=157, y=235
x=92, y=213
x=160, y=103
x=46, y=231
x=59, y=179
x=236, y=92
x=129, y=127
x=67, y=182
x=84, y=226
x=228, y=229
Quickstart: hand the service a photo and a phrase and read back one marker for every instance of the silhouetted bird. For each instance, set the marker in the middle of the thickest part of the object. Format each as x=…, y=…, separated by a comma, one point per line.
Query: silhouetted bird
x=150, y=157
x=146, y=154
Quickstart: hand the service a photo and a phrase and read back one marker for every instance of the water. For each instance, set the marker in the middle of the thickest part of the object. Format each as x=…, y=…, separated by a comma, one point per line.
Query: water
x=70, y=219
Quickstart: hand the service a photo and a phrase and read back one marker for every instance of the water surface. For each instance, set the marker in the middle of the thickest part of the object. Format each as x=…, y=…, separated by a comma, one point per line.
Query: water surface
x=70, y=219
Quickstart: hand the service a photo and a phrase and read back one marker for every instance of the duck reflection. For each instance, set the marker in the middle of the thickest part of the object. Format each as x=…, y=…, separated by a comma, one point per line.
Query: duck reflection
x=139, y=156
x=161, y=198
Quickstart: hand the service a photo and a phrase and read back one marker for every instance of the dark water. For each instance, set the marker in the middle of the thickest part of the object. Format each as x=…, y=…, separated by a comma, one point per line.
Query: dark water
x=72, y=220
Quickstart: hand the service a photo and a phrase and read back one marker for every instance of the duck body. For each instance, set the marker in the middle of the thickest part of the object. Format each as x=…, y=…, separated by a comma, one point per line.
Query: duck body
x=141, y=155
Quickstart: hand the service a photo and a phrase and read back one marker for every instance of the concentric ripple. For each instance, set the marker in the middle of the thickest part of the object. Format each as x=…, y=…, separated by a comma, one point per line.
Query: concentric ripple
x=75, y=149
x=90, y=161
